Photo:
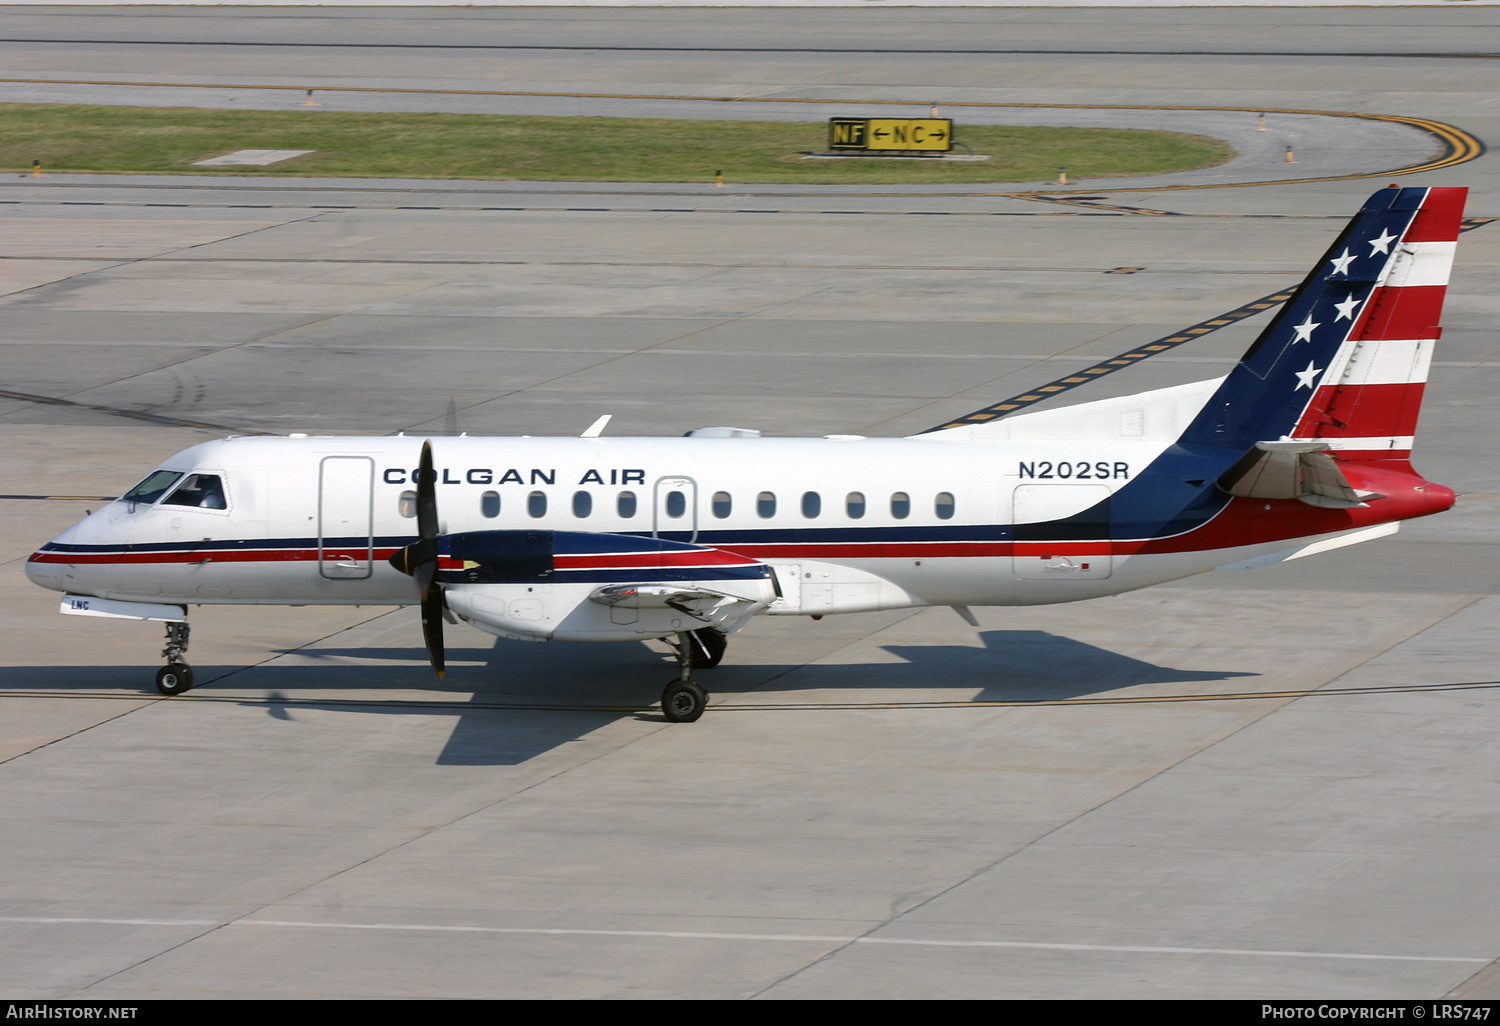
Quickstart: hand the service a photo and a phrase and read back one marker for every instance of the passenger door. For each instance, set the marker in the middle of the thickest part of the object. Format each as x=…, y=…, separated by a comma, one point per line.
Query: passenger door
x=346, y=545
x=674, y=509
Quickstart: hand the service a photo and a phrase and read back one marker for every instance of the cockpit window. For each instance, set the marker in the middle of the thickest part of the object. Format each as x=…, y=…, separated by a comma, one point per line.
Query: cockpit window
x=153, y=488
x=205, y=491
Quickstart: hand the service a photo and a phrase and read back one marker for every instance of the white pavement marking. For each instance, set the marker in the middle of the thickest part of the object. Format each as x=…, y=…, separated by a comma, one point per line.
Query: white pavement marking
x=806, y=938
x=110, y=922
x=258, y=158
x=789, y=3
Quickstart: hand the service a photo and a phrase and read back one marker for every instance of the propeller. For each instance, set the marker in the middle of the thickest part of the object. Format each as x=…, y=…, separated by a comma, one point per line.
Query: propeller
x=420, y=560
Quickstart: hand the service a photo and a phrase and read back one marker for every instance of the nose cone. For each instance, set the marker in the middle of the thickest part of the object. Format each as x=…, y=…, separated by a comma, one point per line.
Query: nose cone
x=48, y=565
x=44, y=571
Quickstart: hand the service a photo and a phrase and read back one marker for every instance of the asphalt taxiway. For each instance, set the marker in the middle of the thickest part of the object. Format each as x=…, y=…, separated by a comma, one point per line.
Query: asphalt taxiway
x=1268, y=783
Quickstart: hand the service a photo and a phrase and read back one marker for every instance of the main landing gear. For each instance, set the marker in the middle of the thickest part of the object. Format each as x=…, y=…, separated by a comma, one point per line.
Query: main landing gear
x=683, y=701
x=177, y=676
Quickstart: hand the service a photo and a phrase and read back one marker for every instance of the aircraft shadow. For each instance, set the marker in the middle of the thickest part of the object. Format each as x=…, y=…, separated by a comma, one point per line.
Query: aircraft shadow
x=573, y=690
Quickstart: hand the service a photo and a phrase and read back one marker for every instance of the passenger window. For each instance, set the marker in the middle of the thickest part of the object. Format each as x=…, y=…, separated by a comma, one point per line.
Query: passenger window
x=900, y=505
x=489, y=504
x=676, y=505
x=854, y=505
x=583, y=504
x=406, y=505
x=153, y=488
x=944, y=506
x=204, y=491
x=625, y=505
x=536, y=504
x=812, y=505
x=765, y=505
x=723, y=505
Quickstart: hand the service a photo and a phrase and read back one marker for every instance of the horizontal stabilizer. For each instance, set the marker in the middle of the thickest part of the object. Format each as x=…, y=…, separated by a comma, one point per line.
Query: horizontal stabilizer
x=1293, y=470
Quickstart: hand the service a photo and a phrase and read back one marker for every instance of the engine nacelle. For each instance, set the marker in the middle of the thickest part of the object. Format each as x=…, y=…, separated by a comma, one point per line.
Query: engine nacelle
x=574, y=586
x=573, y=612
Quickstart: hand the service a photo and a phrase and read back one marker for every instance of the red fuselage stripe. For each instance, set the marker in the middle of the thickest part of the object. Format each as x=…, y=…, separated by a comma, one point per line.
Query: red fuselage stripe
x=614, y=560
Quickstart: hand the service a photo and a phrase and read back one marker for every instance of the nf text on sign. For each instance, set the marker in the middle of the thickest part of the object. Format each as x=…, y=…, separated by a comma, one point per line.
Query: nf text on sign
x=932, y=135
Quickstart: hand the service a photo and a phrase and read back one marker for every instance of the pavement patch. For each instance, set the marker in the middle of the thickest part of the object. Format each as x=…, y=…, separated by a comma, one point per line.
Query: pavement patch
x=255, y=158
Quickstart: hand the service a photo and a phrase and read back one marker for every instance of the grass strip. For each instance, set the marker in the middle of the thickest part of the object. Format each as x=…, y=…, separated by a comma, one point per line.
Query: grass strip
x=156, y=140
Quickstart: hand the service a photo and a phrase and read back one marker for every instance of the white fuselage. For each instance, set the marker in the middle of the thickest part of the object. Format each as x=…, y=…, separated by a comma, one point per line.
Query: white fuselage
x=849, y=524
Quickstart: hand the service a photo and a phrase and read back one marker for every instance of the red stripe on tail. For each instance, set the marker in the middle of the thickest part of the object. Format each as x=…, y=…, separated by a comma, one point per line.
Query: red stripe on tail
x=1411, y=312
x=1441, y=216
x=1364, y=411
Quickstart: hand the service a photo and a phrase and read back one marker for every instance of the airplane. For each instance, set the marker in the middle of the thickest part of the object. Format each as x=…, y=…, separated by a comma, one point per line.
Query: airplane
x=1304, y=446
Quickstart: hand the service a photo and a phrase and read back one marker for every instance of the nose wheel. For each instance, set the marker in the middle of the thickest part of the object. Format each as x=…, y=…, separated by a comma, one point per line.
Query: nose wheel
x=174, y=678
x=177, y=676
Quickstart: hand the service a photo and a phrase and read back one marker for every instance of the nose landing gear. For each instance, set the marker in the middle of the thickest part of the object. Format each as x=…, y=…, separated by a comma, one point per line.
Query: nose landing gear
x=177, y=676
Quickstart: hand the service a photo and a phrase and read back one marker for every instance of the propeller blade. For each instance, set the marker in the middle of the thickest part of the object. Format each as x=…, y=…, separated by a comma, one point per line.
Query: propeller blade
x=420, y=560
x=432, y=628
x=427, y=517
x=425, y=572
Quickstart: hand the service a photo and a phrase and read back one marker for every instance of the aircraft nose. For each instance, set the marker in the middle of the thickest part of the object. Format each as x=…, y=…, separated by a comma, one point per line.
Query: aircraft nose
x=43, y=568
x=49, y=565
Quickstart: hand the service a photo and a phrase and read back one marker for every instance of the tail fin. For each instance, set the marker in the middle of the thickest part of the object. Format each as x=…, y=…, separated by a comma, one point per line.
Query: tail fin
x=1346, y=358
x=1367, y=404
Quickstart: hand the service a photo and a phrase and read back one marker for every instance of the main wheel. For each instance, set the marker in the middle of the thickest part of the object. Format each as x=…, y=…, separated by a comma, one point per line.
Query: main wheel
x=708, y=644
x=683, y=701
x=174, y=678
